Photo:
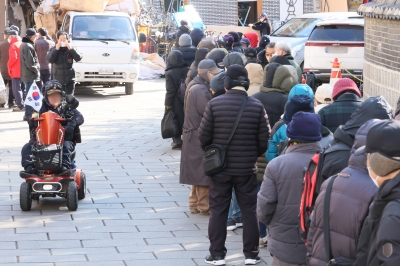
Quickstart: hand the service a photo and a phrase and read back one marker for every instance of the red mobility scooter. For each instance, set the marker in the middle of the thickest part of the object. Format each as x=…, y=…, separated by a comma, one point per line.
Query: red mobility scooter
x=47, y=156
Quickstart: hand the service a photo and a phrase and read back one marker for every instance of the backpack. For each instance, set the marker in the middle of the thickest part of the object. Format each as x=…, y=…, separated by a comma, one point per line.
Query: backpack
x=182, y=90
x=309, y=195
x=311, y=80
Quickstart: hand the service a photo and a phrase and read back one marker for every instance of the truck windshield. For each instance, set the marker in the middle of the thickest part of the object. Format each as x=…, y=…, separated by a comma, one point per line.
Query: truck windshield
x=297, y=28
x=102, y=27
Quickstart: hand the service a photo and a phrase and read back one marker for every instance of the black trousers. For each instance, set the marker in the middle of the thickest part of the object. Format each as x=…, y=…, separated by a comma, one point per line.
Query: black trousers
x=220, y=198
x=10, y=92
x=69, y=88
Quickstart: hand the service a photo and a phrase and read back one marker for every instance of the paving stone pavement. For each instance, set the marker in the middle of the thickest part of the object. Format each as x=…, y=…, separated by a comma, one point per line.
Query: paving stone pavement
x=135, y=211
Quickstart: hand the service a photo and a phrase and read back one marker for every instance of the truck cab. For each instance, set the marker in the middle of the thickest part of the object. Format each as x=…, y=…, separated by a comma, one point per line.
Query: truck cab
x=109, y=45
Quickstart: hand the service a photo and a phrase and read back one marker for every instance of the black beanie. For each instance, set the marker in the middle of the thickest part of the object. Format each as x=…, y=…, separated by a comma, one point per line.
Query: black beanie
x=236, y=76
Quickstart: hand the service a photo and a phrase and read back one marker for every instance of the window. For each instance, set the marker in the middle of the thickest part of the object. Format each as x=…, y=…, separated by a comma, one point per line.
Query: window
x=297, y=27
x=103, y=28
x=341, y=33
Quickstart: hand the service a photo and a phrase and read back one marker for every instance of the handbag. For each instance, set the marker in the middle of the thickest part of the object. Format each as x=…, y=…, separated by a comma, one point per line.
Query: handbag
x=169, y=125
x=214, y=160
x=339, y=261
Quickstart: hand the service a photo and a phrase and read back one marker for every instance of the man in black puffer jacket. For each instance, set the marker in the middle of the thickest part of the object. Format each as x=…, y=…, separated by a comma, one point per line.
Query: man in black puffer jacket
x=62, y=59
x=184, y=28
x=249, y=141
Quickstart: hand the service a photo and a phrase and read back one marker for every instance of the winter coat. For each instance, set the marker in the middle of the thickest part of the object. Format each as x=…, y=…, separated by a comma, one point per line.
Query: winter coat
x=181, y=30
x=200, y=55
x=14, y=58
x=278, y=80
x=337, y=155
x=251, y=136
x=352, y=193
x=42, y=47
x=62, y=64
x=338, y=112
x=196, y=98
x=174, y=74
x=30, y=68
x=253, y=38
x=4, y=55
x=263, y=26
x=296, y=66
x=378, y=243
x=279, y=202
x=262, y=60
x=255, y=76
x=196, y=34
x=188, y=53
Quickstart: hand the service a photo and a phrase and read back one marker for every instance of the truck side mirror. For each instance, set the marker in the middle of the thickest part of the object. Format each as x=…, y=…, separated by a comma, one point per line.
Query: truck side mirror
x=72, y=101
x=142, y=38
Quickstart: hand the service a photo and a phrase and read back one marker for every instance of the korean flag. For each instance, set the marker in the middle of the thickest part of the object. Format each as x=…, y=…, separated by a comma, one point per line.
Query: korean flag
x=34, y=97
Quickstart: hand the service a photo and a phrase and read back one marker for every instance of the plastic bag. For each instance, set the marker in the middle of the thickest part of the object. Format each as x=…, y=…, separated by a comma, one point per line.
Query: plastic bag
x=169, y=125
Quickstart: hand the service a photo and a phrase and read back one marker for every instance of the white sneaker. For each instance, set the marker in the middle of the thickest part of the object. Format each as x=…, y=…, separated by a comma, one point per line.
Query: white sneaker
x=231, y=225
x=252, y=261
x=263, y=242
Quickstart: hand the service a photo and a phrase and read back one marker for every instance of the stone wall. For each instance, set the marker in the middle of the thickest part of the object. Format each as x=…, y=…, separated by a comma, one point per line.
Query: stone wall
x=382, y=59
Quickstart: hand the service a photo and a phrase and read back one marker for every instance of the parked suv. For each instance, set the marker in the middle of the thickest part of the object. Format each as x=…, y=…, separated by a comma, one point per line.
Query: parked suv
x=297, y=30
x=342, y=39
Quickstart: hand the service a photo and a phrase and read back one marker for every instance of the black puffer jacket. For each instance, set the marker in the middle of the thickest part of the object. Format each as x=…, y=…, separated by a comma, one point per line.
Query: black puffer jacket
x=181, y=30
x=251, y=137
x=188, y=53
x=62, y=64
x=380, y=236
x=200, y=55
x=176, y=72
x=352, y=193
x=338, y=153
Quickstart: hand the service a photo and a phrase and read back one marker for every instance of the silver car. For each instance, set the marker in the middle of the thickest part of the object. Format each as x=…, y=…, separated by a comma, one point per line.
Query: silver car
x=297, y=30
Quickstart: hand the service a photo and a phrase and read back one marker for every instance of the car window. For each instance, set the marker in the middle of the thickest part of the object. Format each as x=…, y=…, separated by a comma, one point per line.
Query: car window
x=102, y=27
x=341, y=33
x=297, y=27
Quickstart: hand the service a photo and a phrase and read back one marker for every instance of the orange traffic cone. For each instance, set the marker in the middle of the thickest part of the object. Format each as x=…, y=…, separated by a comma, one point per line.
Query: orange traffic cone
x=336, y=73
x=303, y=80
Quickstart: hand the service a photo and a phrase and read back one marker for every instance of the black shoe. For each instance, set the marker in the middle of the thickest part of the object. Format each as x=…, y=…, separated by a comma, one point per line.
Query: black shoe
x=64, y=171
x=252, y=261
x=215, y=260
x=177, y=146
x=30, y=170
x=25, y=118
x=239, y=222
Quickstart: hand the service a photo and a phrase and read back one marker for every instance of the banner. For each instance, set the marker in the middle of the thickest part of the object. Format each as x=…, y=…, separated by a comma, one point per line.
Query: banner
x=34, y=98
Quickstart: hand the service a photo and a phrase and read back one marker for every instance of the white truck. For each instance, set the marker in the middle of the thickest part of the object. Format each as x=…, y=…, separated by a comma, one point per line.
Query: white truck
x=109, y=45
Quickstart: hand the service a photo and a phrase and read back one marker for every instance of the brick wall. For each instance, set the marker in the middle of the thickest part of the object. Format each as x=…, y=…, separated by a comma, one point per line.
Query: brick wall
x=382, y=59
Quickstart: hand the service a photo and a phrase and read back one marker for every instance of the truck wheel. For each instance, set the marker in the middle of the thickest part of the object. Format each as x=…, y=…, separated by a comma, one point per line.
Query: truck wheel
x=72, y=196
x=25, y=199
x=128, y=88
x=82, y=190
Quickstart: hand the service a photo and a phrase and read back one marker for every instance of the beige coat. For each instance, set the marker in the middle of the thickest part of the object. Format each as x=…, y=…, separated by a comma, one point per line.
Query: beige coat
x=255, y=76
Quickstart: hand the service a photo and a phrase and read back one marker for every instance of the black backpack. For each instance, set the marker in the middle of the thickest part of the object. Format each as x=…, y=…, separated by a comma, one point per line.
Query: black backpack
x=311, y=80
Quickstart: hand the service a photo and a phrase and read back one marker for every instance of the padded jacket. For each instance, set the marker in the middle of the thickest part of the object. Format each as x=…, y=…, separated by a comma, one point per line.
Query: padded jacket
x=62, y=64
x=30, y=68
x=14, y=58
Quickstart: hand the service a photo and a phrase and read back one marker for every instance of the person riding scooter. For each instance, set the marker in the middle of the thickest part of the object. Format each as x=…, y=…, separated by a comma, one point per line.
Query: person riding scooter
x=54, y=100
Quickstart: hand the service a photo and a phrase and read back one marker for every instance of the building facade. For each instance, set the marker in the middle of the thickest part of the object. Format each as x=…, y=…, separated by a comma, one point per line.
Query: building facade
x=382, y=53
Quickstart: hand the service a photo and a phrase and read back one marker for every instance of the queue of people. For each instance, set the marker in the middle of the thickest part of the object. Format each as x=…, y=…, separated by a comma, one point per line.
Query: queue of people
x=35, y=58
x=251, y=105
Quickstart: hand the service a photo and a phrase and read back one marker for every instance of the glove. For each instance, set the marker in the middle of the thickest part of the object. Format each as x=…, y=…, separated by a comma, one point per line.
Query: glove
x=69, y=130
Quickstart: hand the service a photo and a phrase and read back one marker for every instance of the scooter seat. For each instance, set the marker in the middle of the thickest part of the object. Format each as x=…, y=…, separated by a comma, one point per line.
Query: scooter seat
x=24, y=174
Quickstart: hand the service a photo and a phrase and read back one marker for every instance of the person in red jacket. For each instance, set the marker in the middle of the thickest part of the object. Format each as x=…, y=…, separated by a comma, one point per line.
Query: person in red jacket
x=14, y=69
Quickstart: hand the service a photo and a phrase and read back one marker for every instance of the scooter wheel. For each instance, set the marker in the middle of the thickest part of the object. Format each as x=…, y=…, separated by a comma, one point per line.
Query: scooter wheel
x=82, y=190
x=72, y=196
x=25, y=198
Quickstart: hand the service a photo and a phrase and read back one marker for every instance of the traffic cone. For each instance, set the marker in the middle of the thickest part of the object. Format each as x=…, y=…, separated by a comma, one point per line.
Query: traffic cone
x=336, y=73
x=303, y=80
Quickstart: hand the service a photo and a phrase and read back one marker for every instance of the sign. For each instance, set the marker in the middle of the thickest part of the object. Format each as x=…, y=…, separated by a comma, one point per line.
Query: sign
x=34, y=98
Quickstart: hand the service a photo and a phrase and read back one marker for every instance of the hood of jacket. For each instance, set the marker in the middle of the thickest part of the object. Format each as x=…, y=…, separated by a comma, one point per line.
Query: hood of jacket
x=200, y=55
x=253, y=38
x=196, y=35
x=175, y=60
x=217, y=55
x=255, y=73
x=27, y=40
x=278, y=78
x=371, y=108
x=359, y=160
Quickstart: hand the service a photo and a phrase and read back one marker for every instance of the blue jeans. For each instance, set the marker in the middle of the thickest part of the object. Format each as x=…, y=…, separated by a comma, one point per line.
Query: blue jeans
x=263, y=228
x=28, y=109
x=234, y=210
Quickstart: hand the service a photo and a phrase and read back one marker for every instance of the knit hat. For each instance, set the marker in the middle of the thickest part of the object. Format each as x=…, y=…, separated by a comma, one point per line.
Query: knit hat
x=235, y=36
x=236, y=76
x=228, y=40
x=343, y=85
x=185, y=40
x=304, y=127
x=196, y=34
x=233, y=58
x=250, y=52
x=296, y=104
x=323, y=93
x=217, y=82
x=246, y=41
x=300, y=89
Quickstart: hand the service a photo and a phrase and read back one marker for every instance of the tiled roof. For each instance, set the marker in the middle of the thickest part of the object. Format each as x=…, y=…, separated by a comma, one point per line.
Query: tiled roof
x=384, y=9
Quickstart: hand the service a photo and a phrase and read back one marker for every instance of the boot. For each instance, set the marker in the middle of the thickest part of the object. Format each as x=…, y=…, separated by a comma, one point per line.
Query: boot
x=177, y=143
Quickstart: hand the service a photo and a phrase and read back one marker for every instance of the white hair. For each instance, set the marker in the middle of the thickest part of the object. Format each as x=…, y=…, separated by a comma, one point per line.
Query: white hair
x=284, y=46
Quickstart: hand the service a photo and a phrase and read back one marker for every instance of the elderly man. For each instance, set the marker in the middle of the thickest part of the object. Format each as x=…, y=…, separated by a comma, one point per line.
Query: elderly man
x=4, y=47
x=283, y=48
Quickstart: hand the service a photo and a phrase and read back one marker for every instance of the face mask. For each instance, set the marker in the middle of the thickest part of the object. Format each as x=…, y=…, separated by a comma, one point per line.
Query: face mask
x=373, y=179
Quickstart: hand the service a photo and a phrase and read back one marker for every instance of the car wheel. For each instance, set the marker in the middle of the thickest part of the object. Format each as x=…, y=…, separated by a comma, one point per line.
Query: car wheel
x=128, y=88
